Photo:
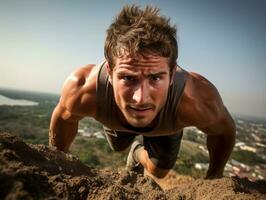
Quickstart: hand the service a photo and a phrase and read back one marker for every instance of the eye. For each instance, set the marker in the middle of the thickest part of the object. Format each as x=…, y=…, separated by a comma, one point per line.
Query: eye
x=129, y=78
x=155, y=78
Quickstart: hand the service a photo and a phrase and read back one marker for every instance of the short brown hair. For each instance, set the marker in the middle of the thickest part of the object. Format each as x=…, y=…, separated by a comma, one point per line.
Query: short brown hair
x=138, y=31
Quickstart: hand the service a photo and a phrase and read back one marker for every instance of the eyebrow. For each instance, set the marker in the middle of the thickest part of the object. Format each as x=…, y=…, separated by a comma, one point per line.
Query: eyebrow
x=158, y=74
x=123, y=73
x=130, y=73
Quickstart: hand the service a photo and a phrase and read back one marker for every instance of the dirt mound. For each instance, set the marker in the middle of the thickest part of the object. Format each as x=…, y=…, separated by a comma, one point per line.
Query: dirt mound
x=40, y=172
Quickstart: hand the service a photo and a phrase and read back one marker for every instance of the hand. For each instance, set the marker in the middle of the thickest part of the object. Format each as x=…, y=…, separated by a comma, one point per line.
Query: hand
x=212, y=175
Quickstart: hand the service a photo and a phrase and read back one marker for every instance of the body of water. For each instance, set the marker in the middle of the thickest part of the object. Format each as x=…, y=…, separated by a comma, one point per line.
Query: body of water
x=16, y=102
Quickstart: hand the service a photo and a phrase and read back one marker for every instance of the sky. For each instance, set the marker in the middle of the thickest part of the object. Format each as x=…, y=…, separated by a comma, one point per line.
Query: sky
x=43, y=41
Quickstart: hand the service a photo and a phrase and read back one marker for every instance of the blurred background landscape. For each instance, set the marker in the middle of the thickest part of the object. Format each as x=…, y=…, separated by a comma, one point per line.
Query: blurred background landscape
x=27, y=114
x=42, y=42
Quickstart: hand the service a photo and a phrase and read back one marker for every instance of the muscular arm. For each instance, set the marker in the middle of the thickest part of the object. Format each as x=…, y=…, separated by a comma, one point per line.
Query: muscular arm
x=63, y=128
x=220, y=144
x=202, y=106
x=77, y=101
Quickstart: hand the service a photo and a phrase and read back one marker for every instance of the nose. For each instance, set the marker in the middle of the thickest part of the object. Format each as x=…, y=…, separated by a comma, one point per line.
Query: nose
x=141, y=93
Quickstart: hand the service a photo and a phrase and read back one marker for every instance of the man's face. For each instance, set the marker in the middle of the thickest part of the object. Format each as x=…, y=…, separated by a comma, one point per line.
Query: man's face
x=140, y=87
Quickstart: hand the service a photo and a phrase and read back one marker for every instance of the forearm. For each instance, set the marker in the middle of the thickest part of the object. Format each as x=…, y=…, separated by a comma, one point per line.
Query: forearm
x=220, y=148
x=62, y=132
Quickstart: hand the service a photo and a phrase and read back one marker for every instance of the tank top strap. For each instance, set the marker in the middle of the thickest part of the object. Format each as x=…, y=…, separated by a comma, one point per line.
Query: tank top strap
x=102, y=82
x=170, y=115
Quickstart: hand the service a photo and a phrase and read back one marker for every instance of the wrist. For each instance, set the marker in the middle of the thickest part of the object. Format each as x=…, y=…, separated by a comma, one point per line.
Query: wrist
x=213, y=174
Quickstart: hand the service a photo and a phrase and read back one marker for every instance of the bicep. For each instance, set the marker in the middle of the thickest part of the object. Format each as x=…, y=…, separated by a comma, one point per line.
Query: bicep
x=78, y=94
x=71, y=92
x=61, y=113
x=222, y=125
x=215, y=118
x=65, y=109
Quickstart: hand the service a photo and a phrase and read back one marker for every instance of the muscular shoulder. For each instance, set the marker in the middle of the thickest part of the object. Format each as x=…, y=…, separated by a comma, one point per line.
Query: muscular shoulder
x=79, y=91
x=201, y=103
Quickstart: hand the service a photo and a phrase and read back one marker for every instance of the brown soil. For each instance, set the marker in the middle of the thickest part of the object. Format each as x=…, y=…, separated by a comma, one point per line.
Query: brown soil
x=40, y=172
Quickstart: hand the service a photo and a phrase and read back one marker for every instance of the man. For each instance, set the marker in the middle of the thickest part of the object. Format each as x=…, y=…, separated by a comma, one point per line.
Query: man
x=140, y=91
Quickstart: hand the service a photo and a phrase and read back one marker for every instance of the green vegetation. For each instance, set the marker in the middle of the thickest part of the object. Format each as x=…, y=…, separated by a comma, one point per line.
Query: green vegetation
x=29, y=122
x=97, y=153
x=189, y=155
x=191, y=135
x=247, y=157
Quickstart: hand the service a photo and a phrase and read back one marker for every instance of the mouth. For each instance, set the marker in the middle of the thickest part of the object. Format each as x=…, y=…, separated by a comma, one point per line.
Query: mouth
x=140, y=111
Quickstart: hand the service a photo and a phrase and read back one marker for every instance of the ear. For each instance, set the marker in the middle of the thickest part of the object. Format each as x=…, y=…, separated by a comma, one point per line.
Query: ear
x=109, y=71
x=173, y=75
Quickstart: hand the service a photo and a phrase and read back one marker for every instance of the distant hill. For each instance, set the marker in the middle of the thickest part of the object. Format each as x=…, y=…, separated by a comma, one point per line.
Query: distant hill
x=250, y=118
